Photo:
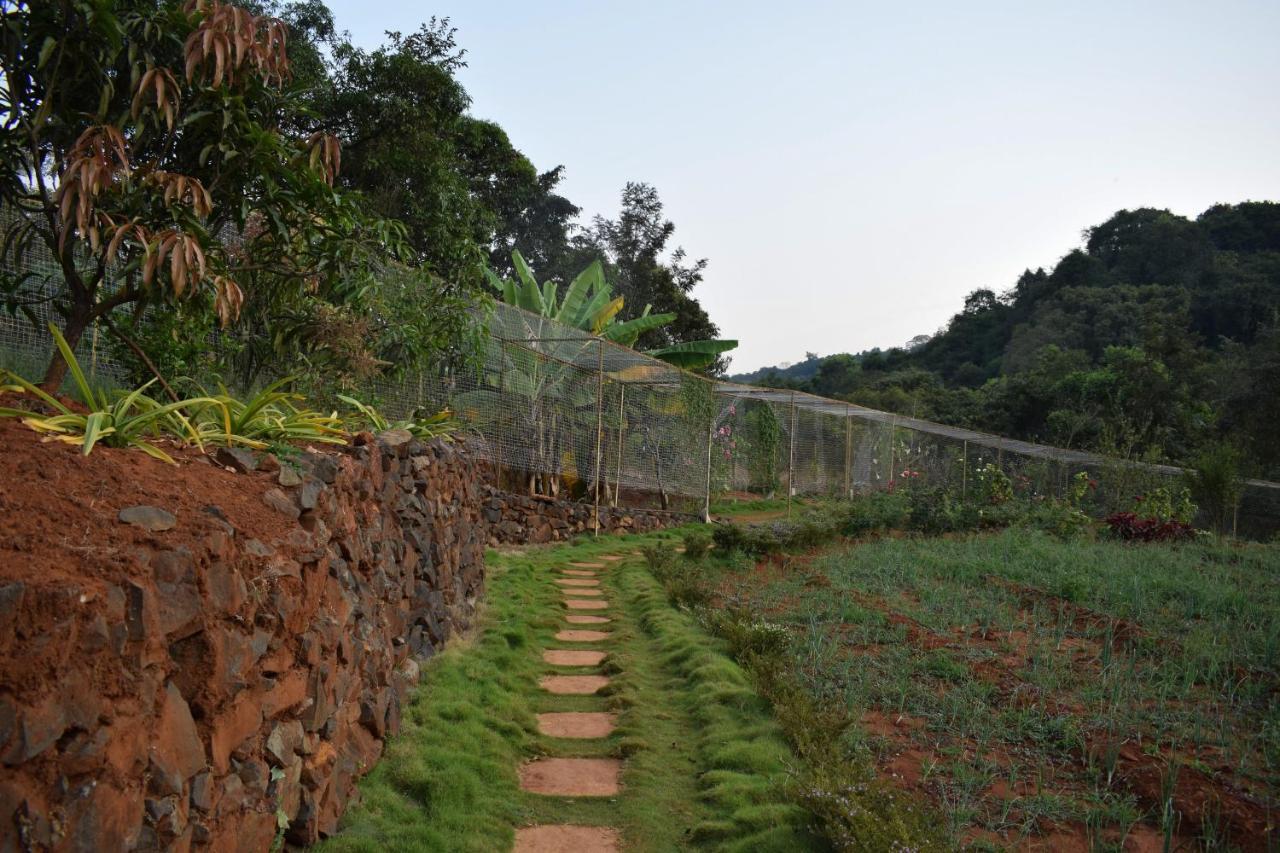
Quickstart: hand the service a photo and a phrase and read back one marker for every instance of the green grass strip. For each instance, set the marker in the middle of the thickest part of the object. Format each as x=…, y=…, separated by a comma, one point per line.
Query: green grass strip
x=706, y=766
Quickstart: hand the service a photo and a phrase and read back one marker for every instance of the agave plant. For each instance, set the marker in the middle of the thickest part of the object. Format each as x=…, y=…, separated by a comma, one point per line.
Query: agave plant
x=130, y=419
x=439, y=425
x=270, y=415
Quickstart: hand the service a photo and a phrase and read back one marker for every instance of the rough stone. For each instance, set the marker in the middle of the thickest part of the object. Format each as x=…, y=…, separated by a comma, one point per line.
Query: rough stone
x=176, y=751
x=288, y=477
x=148, y=518
x=237, y=458
x=281, y=503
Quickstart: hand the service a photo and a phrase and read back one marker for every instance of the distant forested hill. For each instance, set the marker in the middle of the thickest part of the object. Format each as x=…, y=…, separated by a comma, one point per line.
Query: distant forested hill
x=1159, y=339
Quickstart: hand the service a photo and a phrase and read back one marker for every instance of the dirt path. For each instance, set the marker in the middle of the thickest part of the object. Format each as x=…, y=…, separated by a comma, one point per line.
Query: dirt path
x=569, y=775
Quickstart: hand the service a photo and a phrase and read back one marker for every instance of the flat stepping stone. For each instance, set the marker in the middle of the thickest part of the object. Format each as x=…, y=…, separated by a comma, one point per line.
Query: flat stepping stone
x=588, y=565
x=576, y=724
x=612, y=558
x=585, y=619
x=583, y=593
x=572, y=685
x=580, y=573
x=585, y=604
x=577, y=582
x=572, y=657
x=566, y=838
x=573, y=636
x=572, y=777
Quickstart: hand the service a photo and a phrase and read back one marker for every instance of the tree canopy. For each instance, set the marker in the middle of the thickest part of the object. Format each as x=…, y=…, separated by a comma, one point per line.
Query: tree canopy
x=1157, y=339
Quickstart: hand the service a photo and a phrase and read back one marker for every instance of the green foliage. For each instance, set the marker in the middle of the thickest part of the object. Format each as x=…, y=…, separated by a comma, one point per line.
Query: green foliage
x=994, y=484
x=1214, y=482
x=697, y=544
x=129, y=419
x=1166, y=504
x=589, y=305
x=763, y=437
x=1156, y=340
x=95, y=94
x=439, y=425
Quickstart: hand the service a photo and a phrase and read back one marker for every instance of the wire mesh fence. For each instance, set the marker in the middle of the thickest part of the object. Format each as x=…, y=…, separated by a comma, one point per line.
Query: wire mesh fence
x=563, y=413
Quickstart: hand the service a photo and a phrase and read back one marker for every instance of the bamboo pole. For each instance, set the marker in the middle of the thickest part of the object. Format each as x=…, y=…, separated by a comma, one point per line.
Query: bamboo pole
x=502, y=416
x=617, y=479
x=599, y=432
x=706, y=500
x=791, y=457
x=893, y=435
x=848, y=450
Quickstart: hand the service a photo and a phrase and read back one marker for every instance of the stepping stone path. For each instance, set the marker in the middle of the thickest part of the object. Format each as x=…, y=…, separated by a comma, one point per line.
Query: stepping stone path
x=566, y=775
x=561, y=839
x=572, y=636
x=572, y=657
x=585, y=604
x=583, y=619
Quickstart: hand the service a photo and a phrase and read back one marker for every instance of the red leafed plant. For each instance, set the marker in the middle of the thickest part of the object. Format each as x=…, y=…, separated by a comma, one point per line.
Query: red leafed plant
x=1131, y=527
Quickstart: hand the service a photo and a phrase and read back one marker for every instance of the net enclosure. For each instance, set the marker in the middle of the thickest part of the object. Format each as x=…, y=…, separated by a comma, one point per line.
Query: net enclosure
x=563, y=413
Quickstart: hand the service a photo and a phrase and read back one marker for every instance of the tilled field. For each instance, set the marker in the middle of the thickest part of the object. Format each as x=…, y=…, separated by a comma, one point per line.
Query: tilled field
x=1050, y=695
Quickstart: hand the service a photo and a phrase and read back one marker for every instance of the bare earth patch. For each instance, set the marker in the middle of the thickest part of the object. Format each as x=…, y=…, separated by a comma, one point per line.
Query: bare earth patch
x=585, y=604
x=581, y=573
x=572, y=657
x=576, y=724
x=582, y=636
x=579, y=685
x=572, y=777
x=586, y=593
x=577, y=582
x=584, y=619
x=566, y=839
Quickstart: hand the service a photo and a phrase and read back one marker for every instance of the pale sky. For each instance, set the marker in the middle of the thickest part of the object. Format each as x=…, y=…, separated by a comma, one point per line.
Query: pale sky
x=852, y=170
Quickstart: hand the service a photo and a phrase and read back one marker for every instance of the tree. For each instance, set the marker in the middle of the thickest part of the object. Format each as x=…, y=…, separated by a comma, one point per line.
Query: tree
x=635, y=246
x=144, y=146
x=465, y=194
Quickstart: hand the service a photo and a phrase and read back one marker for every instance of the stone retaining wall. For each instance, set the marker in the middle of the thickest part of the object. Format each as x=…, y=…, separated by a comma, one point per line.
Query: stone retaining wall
x=211, y=676
x=521, y=519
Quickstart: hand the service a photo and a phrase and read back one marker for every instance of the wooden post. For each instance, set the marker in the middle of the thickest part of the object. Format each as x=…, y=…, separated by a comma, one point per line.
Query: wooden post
x=599, y=432
x=964, y=472
x=848, y=450
x=617, y=480
x=791, y=458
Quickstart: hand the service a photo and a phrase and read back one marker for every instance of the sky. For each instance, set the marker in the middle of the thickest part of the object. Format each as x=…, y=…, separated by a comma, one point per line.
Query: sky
x=852, y=170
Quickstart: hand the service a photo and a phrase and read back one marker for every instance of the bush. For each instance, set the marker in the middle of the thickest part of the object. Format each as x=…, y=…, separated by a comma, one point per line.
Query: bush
x=1130, y=527
x=875, y=512
x=661, y=560
x=696, y=544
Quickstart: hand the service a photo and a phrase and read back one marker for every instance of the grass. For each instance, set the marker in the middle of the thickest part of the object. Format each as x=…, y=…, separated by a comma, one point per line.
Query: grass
x=1021, y=654
x=706, y=764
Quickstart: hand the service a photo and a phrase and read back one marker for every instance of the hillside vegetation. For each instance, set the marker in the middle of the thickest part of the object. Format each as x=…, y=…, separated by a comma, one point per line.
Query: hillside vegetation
x=1159, y=339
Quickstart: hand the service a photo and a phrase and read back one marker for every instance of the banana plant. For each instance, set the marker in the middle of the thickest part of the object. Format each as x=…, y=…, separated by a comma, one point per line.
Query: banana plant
x=590, y=306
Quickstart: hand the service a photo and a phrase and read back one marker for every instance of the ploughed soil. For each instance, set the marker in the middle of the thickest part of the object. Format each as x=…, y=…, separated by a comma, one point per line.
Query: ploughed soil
x=910, y=753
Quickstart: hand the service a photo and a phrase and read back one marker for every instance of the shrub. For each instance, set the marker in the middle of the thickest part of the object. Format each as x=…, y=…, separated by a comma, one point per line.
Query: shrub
x=1131, y=527
x=696, y=544
x=729, y=538
x=660, y=558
